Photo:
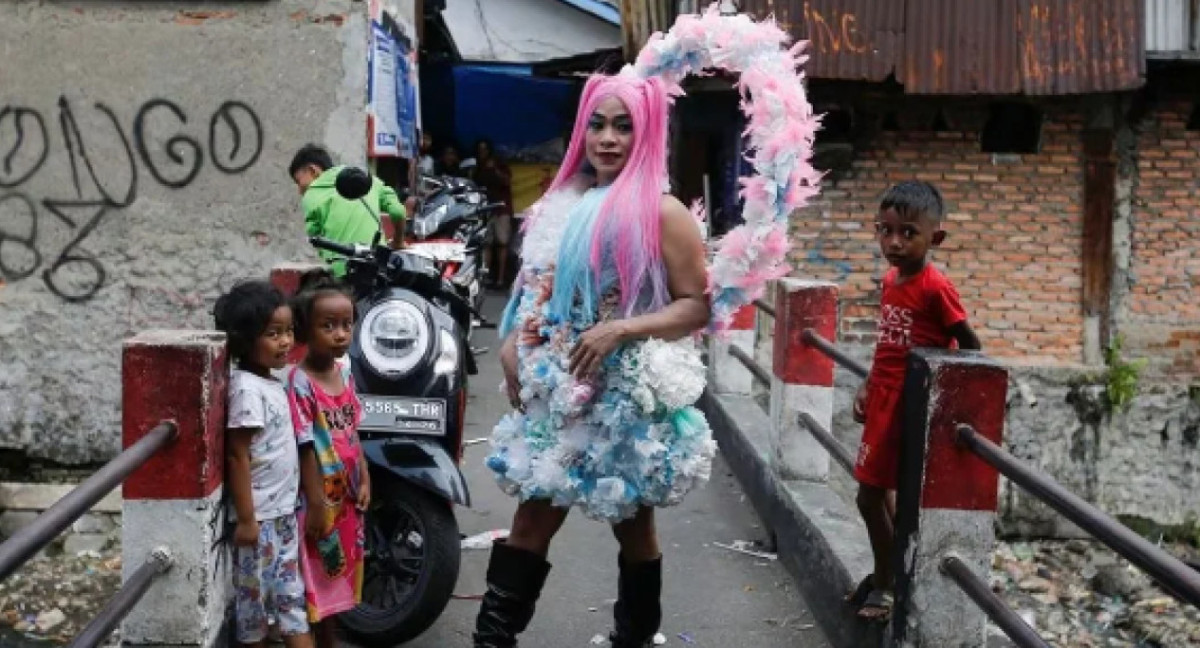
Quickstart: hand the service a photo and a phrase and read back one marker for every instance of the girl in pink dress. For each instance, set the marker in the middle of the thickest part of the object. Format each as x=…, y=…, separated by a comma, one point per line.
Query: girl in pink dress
x=333, y=475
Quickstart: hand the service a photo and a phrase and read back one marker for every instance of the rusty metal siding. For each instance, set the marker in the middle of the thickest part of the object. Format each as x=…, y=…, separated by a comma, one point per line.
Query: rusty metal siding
x=1169, y=25
x=848, y=39
x=1036, y=47
x=1078, y=46
x=960, y=47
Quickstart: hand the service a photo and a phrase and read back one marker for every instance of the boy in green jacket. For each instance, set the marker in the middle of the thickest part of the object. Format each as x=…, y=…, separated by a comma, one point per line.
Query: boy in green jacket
x=329, y=215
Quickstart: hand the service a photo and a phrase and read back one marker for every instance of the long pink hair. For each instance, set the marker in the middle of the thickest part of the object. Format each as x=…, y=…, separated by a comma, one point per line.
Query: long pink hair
x=628, y=223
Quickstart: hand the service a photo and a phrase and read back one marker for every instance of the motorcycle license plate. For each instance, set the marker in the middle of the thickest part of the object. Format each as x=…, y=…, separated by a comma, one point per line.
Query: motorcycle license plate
x=399, y=414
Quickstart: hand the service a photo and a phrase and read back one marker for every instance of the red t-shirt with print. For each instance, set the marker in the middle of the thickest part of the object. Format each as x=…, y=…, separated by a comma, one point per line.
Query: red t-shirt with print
x=917, y=313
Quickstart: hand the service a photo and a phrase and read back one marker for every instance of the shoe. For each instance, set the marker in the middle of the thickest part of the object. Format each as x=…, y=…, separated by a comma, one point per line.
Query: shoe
x=514, y=581
x=638, y=611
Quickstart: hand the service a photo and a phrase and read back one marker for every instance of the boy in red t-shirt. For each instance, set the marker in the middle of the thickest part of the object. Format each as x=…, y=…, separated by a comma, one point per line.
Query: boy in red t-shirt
x=919, y=308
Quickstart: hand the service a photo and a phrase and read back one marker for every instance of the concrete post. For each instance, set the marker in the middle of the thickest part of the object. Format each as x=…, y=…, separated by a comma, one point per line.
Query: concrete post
x=175, y=500
x=727, y=374
x=947, y=496
x=802, y=377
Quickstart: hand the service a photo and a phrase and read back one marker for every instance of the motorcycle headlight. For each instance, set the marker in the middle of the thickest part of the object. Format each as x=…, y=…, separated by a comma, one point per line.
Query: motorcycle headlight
x=395, y=336
x=447, y=361
x=474, y=198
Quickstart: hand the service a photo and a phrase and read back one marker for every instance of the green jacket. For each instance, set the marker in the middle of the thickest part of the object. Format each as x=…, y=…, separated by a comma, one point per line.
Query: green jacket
x=329, y=215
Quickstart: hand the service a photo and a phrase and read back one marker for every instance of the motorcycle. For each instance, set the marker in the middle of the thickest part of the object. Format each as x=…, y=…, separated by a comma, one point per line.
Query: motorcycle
x=410, y=359
x=451, y=229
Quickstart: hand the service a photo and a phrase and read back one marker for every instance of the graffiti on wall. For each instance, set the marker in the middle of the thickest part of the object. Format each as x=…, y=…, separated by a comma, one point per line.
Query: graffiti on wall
x=47, y=236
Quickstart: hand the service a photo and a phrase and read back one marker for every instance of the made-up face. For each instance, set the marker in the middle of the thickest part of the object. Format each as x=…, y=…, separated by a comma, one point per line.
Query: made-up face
x=609, y=139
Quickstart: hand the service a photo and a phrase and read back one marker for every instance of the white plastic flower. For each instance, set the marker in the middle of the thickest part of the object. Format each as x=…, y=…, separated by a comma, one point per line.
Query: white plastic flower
x=672, y=371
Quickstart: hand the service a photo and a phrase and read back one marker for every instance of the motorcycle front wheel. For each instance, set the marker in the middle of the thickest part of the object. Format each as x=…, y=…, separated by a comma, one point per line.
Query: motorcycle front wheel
x=413, y=554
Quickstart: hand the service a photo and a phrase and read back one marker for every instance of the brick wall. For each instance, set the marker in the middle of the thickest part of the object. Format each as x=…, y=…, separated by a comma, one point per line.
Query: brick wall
x=1014, y=224
x=1161, y=318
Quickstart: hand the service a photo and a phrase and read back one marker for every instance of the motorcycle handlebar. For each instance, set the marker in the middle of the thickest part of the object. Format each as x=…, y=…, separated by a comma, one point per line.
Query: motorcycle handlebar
x=322, y=243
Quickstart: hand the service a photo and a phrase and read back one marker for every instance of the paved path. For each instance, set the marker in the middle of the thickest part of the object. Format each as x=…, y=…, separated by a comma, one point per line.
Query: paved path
x=712, y=597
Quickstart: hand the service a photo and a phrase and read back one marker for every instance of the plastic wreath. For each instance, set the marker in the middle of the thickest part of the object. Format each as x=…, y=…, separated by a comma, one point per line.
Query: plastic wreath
x=781, y=130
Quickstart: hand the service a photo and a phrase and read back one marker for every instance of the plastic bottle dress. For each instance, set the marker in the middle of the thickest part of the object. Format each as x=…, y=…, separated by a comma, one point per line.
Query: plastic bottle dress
x=626, y=437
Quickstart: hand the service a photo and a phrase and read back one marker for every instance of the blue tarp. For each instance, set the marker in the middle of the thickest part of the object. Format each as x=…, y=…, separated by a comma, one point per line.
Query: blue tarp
x=507, y=105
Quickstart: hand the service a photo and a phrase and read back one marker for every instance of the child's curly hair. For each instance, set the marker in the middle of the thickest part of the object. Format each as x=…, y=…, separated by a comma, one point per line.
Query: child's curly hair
x=313, y=285
x=244, y=313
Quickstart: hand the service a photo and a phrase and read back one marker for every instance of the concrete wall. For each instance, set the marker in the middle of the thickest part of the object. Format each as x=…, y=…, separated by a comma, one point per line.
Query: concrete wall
x=143, y=154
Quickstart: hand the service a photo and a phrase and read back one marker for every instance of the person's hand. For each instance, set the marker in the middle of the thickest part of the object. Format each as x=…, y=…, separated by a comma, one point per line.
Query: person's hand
x=364, y=496
x=860, y=404
x=594, y=346
x=246, y=533
x=314, y=524
x=512, y=381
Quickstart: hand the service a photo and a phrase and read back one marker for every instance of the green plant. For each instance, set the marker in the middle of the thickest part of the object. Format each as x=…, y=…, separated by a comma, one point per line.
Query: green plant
x=1123, y=375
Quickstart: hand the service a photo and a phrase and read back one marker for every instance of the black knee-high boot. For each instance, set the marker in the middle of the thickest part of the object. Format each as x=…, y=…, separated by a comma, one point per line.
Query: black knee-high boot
x=514, y=578
x=638, y=611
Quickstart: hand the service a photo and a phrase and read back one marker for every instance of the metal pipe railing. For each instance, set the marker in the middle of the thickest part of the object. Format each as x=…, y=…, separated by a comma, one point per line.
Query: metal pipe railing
x=764, y=307
x=835, y=449
x=750, y=363
x=1170, y=572
x=1000, y=614
x=814, y=339
x=119, y=606
x=25, y=543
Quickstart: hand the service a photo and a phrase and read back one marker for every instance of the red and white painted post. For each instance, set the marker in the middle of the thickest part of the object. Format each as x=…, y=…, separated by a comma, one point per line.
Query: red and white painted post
x=727, y=374
x=802, y=377
x=947, y=496
x=175, y=500
x=286, y=276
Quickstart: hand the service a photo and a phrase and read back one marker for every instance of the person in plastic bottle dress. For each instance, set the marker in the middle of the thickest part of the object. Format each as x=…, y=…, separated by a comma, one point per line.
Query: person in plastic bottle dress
x=601, y=362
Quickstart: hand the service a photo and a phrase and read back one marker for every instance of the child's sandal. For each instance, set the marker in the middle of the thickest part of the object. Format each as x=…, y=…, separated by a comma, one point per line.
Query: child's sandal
x=860, y=593
x=881, y=600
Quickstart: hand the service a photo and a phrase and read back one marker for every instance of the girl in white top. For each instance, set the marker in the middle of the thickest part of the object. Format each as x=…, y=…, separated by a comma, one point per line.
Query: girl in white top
x=263, y=467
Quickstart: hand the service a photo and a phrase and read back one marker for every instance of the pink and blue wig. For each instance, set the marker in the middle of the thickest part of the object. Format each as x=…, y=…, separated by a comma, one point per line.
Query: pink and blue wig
x=625, y=228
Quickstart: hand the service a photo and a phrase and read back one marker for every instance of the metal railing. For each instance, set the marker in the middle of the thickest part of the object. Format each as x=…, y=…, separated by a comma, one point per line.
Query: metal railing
x=814, y=339
x=1000, y=614
x=746, y=357
x=119, y=606
x=1170, y=572
x=26, y=542
x=840, y=453
x=953, y=567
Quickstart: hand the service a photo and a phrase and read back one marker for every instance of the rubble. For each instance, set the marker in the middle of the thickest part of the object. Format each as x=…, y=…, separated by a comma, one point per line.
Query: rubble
x=1080, y=594
x=50, y=599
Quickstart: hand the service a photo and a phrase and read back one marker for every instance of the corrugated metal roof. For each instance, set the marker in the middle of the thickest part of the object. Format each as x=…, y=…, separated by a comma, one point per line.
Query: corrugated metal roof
x=850, y=39
x=971, y=47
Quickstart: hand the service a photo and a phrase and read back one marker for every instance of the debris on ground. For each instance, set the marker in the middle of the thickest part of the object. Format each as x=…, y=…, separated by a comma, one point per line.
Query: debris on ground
x=749, y=548
x=1080, y=594
x=484, y=540
x=52, y=598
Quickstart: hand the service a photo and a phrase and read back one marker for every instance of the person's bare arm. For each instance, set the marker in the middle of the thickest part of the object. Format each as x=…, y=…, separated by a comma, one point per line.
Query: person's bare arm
x=238, y=473
x=965, y=335
x=313, y=486
x=687, y=280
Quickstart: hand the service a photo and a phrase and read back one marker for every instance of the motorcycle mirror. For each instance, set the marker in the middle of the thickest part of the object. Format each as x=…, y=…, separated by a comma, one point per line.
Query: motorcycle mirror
x=353, y=183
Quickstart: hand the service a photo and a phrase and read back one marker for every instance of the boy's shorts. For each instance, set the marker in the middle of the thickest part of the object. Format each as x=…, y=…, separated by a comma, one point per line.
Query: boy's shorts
x=879, y=453
x=267, y=583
